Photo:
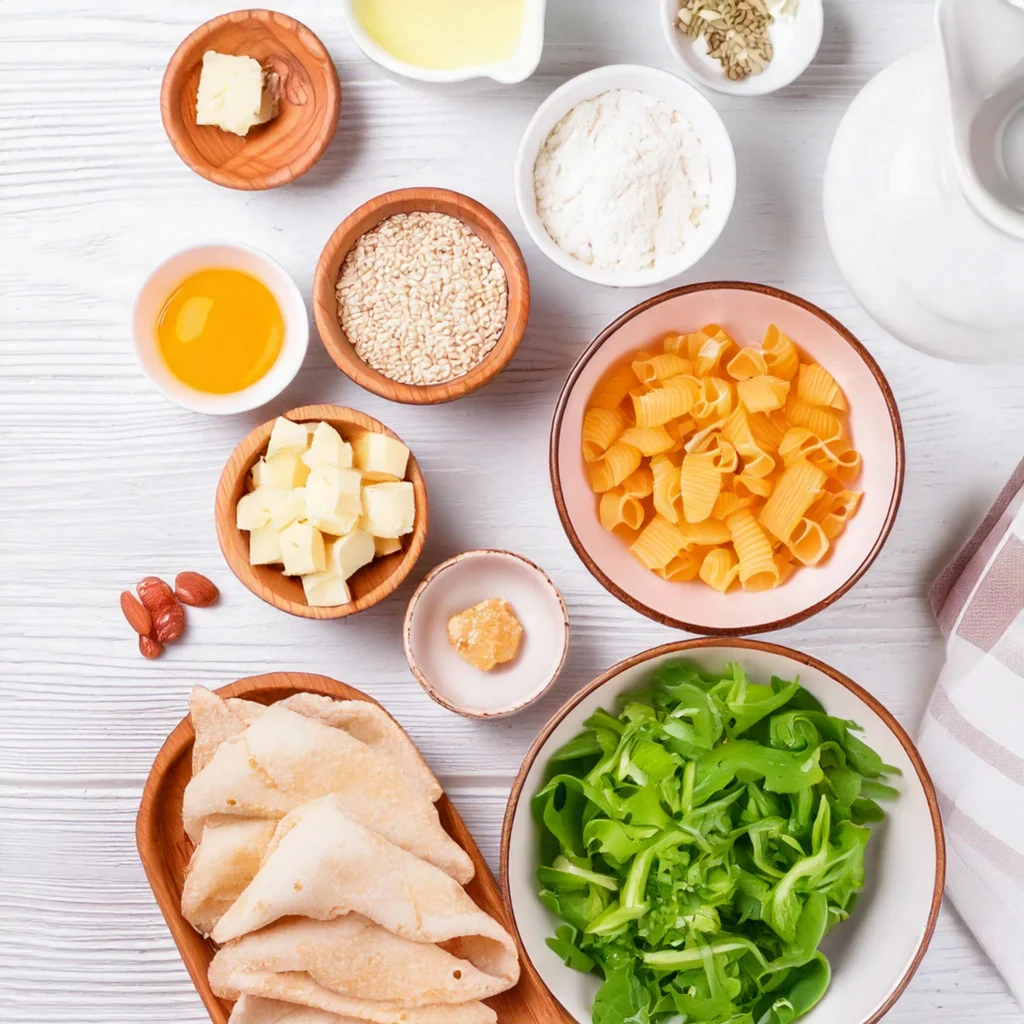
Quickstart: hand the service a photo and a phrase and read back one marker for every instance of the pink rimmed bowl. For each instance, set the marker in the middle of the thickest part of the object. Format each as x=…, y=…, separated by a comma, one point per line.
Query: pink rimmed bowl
x=745, y=311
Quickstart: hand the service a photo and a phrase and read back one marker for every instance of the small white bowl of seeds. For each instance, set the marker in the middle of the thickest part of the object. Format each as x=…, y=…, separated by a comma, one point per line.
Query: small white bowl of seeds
x=421, y=295
x=743, y=47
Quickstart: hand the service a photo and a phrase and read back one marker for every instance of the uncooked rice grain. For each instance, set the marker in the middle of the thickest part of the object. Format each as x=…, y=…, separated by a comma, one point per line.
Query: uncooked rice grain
x=422, y=298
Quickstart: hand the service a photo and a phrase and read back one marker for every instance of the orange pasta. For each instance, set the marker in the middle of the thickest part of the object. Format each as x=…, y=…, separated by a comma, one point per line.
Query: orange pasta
x=747, y=363
x=797, y=490
x=648, y=440
x=816, y=386
x=639, y=483
x=719, y=569
x=780, y=354
x=665, y=490
x=617, y=463
x=653, y=368
x=619, y=509
x=763, y=394
x=600, y=429
x=659, y=542
x=725, y=464
x=700, y=480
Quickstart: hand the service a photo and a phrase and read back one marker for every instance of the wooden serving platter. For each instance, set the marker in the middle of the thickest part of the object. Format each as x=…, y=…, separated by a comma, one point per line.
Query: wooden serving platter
x=165, y=851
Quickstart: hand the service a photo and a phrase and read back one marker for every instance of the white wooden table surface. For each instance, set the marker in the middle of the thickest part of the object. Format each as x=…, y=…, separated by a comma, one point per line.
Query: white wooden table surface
x=103, y=481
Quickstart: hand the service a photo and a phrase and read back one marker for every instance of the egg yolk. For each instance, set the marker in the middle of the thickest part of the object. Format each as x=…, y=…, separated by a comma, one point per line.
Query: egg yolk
x=220, y=330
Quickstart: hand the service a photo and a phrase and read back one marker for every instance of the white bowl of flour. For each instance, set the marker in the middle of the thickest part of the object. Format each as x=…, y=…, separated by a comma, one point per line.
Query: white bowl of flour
x=625, y=176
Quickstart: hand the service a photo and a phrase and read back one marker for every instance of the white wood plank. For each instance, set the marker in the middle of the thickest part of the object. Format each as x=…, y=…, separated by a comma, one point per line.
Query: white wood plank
x=104, y=482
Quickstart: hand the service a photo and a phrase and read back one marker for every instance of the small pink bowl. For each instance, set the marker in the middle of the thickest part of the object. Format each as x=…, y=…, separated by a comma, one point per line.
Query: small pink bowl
x=460, y=583
x=745, y=311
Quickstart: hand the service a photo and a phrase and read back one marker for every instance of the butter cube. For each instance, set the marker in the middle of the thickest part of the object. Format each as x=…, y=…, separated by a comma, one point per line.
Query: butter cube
x=386, y=546
x=232, y=93
x=287, y=438
x=333, y=501
x=325, y=589
x=254, y=509
x=328, y=449
x=284, y=471
x=389, y=509
x=291, y=505
x=380, y=457
x=265, y=546
x=302, y=550
x=338, y=525
x=350, y=553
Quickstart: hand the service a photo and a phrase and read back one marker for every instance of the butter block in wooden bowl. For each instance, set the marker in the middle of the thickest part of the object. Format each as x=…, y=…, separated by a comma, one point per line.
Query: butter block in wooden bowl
x=373, y=581
x=306, y=88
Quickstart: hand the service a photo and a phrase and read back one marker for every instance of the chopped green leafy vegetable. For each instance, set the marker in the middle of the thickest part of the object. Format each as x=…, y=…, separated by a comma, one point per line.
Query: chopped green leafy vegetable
x=701, y=845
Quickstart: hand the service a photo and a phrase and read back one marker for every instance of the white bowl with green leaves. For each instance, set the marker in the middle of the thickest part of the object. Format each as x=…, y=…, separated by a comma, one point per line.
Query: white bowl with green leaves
x=728, y=847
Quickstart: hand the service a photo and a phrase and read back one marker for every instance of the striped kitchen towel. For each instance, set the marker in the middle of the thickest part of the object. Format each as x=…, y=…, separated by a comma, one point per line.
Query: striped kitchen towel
x=972, y=736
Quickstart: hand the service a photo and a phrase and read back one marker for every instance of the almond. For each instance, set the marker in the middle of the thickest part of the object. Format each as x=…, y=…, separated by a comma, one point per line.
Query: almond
x=167, y=612
x=150, y=648
x=136, y=613
x=169, y=623
x=195, y=589
x=154, y=594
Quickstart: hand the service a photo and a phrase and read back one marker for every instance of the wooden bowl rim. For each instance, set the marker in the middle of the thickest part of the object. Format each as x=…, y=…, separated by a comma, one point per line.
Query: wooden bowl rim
x=173, y=79
x=696, y=627
x=428, y=687
x=250, y=448
x=472, y=213
x=810, y=661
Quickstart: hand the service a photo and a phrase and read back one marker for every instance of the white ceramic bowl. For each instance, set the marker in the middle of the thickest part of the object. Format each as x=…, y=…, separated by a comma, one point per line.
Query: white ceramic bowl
x=876, y=952
x=795, y=43
x=516, y=68
x=158, y=288
x=461, y=583
x=674, y=91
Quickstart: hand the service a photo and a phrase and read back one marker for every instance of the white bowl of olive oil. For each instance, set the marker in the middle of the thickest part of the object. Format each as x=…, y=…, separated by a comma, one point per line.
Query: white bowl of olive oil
x=220, y=329
x=450, y=41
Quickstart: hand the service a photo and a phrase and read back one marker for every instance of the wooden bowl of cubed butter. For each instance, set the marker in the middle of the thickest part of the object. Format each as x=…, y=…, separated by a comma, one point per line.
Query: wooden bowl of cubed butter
x=322, y=512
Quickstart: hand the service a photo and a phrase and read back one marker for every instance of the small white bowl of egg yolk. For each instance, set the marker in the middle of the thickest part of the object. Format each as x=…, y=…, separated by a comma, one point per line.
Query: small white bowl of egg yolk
x=220, y=329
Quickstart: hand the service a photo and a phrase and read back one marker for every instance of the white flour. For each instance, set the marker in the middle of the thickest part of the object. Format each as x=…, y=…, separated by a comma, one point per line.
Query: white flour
x=622, y=181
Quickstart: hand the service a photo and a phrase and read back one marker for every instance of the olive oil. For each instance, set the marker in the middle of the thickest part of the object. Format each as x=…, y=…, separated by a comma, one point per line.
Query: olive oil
x=444, y=35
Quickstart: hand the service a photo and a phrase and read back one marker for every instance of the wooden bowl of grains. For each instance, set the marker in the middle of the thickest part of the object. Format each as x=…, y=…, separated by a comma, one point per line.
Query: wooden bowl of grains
x=421, y=295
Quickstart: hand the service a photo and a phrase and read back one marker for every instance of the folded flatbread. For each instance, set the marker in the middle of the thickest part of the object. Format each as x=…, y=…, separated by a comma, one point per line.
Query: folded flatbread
x=351, y=957
x=253, y=1010
x=223, y=864
x=284, y=759
x=322, y=864
x=372, y=725
x=216, y=720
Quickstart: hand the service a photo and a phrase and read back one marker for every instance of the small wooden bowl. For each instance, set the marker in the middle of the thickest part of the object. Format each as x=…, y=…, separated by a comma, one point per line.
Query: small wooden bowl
x=165, y=849
x=411, y=200
x=272, y=154
x=370, y=584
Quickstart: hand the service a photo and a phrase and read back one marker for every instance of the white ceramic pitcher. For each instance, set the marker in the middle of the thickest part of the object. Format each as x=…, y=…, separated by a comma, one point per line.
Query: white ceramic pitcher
x=983, y=50
x=924, y=188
